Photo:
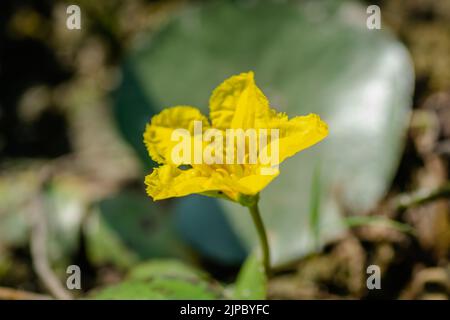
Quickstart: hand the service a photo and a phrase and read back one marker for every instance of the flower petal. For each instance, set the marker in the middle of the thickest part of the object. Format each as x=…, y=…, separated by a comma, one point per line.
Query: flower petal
x=252, y=184
x=168, y=181
x=238, y=103
x=297, y=134
x=157, y=135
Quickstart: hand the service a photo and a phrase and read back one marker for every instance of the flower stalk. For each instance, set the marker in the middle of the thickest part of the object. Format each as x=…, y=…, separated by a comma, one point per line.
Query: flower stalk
x=262, y=235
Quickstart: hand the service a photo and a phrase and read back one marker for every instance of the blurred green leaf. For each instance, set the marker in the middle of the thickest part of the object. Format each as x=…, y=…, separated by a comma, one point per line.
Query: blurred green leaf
x=13, y=228
x=162, y=279
x=358, y=221
x=165, y=268
x=129, y=227
x=104, y=245
x=208, y=229
x=251, y=282
x=307, y=57
x=156, y=289
x=16, y=191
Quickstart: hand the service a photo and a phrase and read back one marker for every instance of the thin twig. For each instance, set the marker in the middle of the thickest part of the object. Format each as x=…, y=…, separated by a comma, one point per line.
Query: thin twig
x=14, y=294
x=39, y=247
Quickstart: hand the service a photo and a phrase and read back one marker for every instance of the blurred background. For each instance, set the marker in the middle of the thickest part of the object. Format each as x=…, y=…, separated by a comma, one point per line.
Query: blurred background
x=74, y=104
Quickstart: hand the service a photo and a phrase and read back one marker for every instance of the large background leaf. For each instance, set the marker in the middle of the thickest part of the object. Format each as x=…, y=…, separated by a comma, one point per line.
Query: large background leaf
x=358, y=80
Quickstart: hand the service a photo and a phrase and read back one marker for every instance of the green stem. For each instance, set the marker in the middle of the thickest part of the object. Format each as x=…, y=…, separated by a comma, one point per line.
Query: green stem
x=254, y=211
x=406, y=201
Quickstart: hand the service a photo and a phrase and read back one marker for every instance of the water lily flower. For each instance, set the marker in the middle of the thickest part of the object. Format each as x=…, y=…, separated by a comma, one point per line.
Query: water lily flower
x=236, y=104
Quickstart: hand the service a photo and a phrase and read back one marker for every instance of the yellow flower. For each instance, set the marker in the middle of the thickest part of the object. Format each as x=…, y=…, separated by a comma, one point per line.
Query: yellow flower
x=235, y=104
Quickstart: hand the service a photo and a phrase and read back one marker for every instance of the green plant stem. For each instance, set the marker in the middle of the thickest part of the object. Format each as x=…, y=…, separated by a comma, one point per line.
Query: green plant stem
x=254, y=211
x=406, y=201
